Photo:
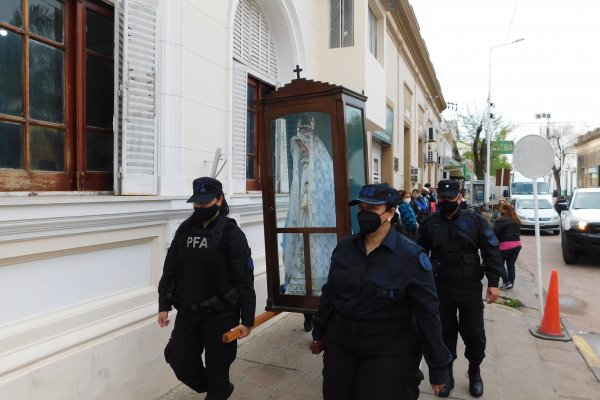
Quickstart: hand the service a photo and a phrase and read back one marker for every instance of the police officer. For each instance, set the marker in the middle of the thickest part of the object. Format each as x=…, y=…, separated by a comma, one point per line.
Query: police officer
x=208, y=277
x=378, y=311
x=454, y=236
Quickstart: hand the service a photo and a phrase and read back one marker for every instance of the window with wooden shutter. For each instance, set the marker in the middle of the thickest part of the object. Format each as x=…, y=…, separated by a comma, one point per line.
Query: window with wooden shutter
x=238, y=124
x=135, y=99
x=56, y=95
x=255, y=63
x=252, y=39
x=256, y=90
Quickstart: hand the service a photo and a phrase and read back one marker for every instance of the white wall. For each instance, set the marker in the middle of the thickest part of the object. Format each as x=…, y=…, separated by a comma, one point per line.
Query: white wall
x=79, y=278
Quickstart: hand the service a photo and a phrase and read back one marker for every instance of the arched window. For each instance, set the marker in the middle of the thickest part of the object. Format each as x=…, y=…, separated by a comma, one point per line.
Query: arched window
x=255, y=72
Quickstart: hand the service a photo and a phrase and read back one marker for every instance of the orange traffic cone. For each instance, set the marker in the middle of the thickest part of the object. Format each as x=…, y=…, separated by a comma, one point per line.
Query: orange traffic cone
x=551, y=327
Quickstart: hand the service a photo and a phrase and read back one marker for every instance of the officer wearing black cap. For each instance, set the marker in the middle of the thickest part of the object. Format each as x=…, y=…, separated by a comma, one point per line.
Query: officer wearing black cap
x=378, y=312
x=454, y=237
x=208, y=276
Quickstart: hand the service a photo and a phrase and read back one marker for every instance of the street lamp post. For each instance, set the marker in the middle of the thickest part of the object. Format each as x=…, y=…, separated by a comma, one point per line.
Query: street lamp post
x=488, y=120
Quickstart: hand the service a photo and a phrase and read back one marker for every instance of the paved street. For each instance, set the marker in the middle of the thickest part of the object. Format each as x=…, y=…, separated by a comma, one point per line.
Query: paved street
x=579, y=296
x=578, y=284
x=275, y=363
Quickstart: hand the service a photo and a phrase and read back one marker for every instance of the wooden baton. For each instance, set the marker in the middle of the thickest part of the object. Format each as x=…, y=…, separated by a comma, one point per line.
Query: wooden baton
x=232, y=335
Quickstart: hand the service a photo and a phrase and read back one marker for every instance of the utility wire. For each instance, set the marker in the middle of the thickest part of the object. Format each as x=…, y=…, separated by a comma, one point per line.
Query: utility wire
x=511, y=20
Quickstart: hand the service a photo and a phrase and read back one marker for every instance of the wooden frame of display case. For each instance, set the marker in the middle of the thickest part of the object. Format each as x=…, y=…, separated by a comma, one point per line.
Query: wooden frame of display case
x=300, y=96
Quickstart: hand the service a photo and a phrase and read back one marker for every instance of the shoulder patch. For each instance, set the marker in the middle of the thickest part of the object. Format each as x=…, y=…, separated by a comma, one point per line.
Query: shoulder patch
x=424, y=262
x=464, y=223
x=491, y=237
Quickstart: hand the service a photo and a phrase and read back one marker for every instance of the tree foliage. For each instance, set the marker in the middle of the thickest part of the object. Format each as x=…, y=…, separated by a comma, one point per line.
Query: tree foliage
x=472, y=133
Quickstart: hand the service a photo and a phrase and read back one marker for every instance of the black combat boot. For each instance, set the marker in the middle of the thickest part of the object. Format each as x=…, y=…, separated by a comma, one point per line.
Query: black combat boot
x=475, y=381
x=308, y=322
x=445, y=392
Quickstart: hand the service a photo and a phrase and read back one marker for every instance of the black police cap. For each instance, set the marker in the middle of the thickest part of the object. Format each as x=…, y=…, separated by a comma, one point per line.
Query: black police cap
x=376, y=194
x=205, y=189
x=446, y=188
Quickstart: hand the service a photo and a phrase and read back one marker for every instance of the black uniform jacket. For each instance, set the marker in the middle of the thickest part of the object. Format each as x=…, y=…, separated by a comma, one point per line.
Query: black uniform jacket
x=234, y=245
x=393, y=282
x=442, y=236
x=506, y=230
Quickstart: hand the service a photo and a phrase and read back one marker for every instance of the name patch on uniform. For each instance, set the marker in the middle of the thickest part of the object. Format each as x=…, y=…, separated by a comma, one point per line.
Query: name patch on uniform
x=197, y=242
x=424, y=262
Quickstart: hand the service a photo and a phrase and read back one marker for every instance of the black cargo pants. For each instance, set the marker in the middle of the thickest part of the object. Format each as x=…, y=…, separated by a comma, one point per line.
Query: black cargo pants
x=461, y=311
x=370, y=361
x=191, y=337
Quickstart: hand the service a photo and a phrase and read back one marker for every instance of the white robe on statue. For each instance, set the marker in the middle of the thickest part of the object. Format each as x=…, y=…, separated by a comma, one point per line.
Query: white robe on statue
x=312, y=204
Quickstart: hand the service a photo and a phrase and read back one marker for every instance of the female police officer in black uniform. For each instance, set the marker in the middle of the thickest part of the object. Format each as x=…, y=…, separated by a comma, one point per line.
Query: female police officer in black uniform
x=379, y=310
x=208, y=277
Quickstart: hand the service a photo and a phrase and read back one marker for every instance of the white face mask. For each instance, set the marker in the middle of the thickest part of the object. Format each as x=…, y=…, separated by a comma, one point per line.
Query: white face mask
x=406, y=201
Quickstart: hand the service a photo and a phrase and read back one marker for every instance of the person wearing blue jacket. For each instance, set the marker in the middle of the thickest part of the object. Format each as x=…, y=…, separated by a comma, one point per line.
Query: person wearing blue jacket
x=379, y=311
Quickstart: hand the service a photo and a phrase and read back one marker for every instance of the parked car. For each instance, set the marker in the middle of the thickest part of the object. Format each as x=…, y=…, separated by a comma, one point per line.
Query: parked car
x=549, y=219
x=580, y=224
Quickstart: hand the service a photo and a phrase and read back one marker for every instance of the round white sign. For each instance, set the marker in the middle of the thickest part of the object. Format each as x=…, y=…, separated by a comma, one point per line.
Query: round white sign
x=533, y=156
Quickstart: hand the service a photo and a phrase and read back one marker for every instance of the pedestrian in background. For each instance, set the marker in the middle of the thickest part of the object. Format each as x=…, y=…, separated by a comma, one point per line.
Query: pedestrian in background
x=426, y=193
x=454, y=237
x=497, y=214
x=407, y=215
x=508, y=232
x=419, y=205
x=463, y=195
x=378, y=312
x=208, y=277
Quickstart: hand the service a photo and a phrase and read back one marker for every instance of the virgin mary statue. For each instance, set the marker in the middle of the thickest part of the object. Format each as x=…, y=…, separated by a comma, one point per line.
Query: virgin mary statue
x=312, y=204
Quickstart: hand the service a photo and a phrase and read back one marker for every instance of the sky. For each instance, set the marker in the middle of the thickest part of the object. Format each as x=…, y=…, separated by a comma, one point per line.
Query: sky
x=555, y=69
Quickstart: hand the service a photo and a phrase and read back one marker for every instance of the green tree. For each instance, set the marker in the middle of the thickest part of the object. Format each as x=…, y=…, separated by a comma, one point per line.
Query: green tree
x=472, y=134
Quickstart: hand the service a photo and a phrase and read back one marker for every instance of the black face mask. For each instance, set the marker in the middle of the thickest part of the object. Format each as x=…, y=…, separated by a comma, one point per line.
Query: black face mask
x=447, y=207
x=205, y=214
x=368, y=222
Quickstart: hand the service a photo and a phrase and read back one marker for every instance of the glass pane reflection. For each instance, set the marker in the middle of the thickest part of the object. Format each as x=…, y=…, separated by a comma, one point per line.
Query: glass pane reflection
x=11, y=74
x=10, y=12
x=99, y=92
x=46, y=82
x=99, y=151
x=46, y=19
x=305, y=197
x=303, y=170
x=294, y=280
x=356, y=156
x=11, y=145
x=99, y=34
x=47, y=149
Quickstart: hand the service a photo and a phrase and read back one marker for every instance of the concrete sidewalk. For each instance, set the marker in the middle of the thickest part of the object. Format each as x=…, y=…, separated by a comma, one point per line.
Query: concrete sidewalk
x=275, y=362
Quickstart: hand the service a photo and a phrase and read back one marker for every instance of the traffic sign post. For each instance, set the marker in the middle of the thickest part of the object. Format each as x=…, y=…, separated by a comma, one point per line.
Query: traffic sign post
x=533, y=157
x=504, y=146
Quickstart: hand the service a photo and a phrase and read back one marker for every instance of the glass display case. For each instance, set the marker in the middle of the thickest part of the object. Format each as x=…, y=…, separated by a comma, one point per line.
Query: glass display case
x=314, y=162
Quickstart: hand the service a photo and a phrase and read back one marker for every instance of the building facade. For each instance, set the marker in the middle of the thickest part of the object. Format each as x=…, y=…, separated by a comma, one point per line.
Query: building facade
x=587, y=148
x=113, y=107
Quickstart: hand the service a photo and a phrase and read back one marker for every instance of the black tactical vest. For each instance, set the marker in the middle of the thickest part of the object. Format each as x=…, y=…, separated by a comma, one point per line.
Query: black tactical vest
x=454, y=249
x=203, y=270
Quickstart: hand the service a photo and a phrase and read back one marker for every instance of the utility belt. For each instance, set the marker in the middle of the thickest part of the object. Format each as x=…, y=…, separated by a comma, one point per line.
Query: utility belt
x=456, y=275
x=358, y=328
x=212, y=306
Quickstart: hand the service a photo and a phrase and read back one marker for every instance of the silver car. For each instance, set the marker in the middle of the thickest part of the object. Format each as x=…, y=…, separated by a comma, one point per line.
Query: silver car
x=549, y=219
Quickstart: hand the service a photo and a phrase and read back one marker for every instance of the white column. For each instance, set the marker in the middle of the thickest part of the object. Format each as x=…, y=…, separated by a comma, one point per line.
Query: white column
x=170, y=99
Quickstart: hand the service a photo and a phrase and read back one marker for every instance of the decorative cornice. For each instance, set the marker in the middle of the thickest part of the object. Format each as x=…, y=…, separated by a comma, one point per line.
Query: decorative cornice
x=406, y=22
x=69, y=220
